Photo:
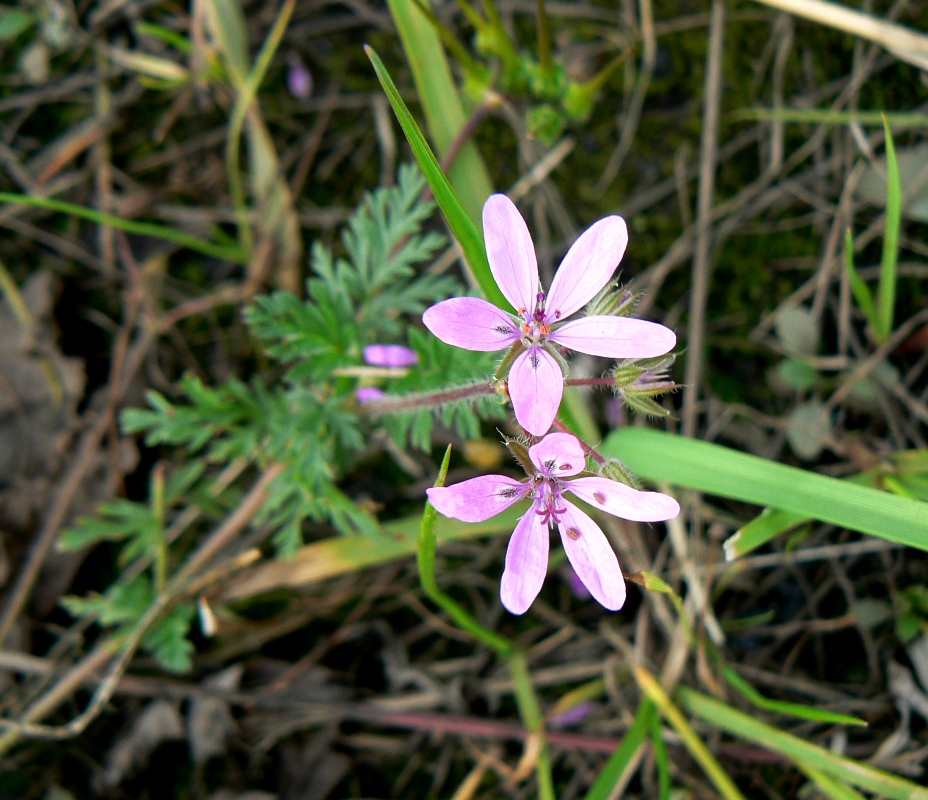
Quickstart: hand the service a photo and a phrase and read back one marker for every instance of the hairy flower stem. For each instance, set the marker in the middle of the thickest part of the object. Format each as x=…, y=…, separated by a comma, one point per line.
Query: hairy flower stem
x=390, y=405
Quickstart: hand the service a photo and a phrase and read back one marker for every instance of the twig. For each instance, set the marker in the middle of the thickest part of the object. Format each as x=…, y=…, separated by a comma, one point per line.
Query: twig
x=701, y=266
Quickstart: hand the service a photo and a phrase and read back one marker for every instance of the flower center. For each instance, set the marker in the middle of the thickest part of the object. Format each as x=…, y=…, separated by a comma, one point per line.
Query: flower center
x=547, y=494
x=535, y=329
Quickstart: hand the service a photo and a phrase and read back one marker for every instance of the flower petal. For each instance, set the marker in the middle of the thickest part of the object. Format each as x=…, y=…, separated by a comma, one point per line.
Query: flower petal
x=369, y=394
x=623, y=501
x=535, y=387
x=477, y=499
x=587, y=267
x=510, y=252
x=390, y=355
x=592, y=557
x=558, y=454
x=526, y=563
x=615, y=337
x=471, y=323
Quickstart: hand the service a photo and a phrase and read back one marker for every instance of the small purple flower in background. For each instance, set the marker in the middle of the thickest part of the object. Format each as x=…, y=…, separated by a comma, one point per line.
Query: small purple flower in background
x=367, y=394
x=390, y=355
x=555, y=457
x=536, y=383
x=299, y=79
x=573, y=716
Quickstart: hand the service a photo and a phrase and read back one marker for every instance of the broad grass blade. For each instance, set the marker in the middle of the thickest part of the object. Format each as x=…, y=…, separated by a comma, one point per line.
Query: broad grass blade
x=339, y=555
x=441, y=103
x=802, y=752
x=462, y=226
x=711, y=468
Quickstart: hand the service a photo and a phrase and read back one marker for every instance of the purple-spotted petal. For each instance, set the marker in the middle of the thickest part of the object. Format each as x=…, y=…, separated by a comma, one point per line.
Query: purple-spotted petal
x=477, y=499
x=535, y=388
x=623, y=501
x=558, y=454
x=471, y=323
x=510, y=252
x=615, y=337
x=592, y=557
x=390, y=355
x=526, y=563
x=587, y=267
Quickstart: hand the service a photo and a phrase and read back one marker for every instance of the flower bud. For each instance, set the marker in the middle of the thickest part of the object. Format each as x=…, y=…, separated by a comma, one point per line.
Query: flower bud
x=390, y=355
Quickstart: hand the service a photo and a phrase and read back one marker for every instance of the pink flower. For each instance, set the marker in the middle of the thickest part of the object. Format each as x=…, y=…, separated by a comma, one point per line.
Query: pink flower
x=368, y=394
x=536, y=383
x=556, y=456
x=390, y=355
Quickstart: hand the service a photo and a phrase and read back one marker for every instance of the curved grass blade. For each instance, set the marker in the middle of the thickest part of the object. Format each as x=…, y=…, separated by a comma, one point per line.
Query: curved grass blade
x=804, y=753
x=187, y=240
x=462, y=226
x=782, y=707
x=718, y=470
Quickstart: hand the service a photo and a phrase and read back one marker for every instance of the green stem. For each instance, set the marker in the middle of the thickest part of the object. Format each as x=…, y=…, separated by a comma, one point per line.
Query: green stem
x=530, y=711
x=426, y=561
x=544, y=39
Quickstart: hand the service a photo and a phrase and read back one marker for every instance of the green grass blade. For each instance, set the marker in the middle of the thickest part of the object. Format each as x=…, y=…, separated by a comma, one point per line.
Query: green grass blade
x=441, y=103
x=187, y=240
x=831, y=117
x=858, y=287
x=711, y=468
x=886, y=291
x=832, y=788
x=462, y=226
x=635, y=738
x=782, y=707
x=697, y=747
x=802, y=752
x=426, y=558
x=660, y=759
x=771, y=523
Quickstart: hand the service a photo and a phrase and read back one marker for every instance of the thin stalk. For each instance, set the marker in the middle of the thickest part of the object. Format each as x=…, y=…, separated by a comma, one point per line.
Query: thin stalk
x=161, y=546
x=544, y=40
x=530, y=711
x=246, y=96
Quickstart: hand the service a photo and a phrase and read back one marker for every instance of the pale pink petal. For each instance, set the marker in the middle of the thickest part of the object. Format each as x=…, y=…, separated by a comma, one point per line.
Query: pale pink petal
x=587, y=267
x=592, y=557
x=623, y=501
x=510, y=252
x=471, y=323
x=390, y=355
x=615, y=337
x=535, y=388
x=526, y=563
x=558, y=454
x=369, y=394
x=477, y=499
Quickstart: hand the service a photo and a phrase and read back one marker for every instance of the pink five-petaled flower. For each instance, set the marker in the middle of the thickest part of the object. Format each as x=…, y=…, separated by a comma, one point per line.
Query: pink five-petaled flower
x=535, y=380
x=555, y=457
